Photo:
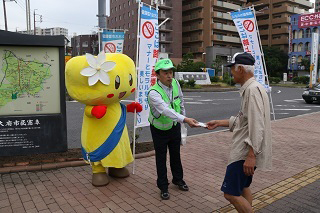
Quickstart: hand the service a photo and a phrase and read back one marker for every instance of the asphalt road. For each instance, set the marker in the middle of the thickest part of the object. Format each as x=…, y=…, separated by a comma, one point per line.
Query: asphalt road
x=203, y=106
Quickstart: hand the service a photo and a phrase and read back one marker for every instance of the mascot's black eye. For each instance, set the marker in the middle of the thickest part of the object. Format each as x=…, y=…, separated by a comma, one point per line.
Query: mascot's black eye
x=117, y=82
x=130, y=80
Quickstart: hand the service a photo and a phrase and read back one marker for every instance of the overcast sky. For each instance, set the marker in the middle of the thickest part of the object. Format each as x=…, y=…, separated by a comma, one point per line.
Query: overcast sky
x=76, y=15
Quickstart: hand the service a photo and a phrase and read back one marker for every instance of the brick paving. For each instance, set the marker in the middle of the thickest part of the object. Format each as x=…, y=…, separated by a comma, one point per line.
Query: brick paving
x=305, y=199
x=295, y=157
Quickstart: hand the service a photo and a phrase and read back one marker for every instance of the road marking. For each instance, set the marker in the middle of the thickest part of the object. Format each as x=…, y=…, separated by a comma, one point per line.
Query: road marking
x=282, y=113
x=206, y=100
x=190, y=96
x=294, y=109
x=312, y=106
x=290, y=100
x=187, y=98
x=193, y=102
x=279, y=91
x=285, y=105
x=225, y=99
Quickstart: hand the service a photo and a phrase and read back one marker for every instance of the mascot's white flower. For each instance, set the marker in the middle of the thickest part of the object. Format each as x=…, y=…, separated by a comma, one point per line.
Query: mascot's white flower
x=98, y=69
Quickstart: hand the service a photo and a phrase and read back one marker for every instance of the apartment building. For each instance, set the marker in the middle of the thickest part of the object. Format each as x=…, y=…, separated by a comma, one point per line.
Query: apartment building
x=207, y=23
x=274, y=19
x=124, y=15
x=83, y=44
x=48, y=31
x=301, y=45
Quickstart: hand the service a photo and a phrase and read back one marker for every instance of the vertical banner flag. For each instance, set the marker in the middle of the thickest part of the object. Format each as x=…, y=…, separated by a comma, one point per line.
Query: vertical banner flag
x=314, y=57
x=245, y=23
x=112, y=41
x=148, y=56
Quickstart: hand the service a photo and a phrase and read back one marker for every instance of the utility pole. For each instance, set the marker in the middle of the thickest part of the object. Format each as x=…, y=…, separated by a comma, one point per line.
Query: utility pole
x=28, y=18
x=5, y=15
x=34, y=21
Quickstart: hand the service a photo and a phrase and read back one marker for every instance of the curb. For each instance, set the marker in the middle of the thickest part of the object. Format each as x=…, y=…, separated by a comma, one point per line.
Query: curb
x=58, y=165
x=211, y=90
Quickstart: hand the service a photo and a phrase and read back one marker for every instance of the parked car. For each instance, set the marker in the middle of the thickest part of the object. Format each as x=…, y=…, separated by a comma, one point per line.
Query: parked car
x=312, y=94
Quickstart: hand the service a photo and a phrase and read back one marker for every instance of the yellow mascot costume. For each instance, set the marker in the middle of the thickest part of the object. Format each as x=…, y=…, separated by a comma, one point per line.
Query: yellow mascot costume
x=100, y=83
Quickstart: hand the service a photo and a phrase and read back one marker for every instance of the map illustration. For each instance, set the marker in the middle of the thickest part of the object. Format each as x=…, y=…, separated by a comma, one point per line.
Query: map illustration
x=29, y=80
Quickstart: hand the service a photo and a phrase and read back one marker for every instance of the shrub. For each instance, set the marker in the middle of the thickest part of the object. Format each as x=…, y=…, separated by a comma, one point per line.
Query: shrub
x=215, y=79
x=295, y=80
x=301, y=80
x=191, y=83
x=304, y=79
x=182, y=83
x=275, y=80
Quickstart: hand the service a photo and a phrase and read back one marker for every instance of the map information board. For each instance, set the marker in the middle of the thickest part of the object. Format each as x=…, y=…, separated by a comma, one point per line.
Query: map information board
x=29, y=80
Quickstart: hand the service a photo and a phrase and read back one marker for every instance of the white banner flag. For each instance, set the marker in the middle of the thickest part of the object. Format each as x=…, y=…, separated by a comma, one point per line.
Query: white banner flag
x=245, y=23
x=148, y=56
x=112, y=41
x=314, y=57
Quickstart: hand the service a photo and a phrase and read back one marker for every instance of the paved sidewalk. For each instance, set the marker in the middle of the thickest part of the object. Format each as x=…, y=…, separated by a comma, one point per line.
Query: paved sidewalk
x=296, y=167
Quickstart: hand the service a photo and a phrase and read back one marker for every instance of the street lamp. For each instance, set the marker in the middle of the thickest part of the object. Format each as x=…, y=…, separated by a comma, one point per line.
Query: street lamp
x=293, y=61
x=229, y=61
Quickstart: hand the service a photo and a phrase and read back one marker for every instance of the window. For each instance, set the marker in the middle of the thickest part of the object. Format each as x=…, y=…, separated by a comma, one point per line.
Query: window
x=307, y=46
x=308, y=33
x=300, y=47
x=294, y=47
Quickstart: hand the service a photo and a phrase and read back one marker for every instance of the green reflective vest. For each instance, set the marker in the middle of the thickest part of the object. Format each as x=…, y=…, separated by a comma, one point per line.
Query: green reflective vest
x=163, y=122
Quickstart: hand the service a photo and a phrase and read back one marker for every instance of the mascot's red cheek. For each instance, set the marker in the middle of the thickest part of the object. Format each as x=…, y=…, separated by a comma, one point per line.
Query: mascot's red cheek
x=110, y=95
x=134, y=89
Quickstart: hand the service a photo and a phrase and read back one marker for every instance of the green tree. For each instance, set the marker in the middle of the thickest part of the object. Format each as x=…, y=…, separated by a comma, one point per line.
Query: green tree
x=276, y=61
x=306, y=63
x=188, y=65
x=217, y=63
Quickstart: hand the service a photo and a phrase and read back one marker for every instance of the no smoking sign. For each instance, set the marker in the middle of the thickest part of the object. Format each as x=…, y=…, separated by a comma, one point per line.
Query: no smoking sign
x=110, y=47
x=248, y=25
x=148, y=29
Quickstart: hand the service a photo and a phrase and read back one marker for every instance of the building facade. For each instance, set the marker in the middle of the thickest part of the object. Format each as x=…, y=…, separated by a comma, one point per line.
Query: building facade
x=124, y=15
x=300, y=46
x=274, y=19
x=317, y=6
x=83, y=44
x=208, y=23
x=48, y=31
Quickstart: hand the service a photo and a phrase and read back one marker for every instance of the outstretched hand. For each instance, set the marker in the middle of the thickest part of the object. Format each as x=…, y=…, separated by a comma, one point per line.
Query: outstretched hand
x=212, y=124
x=191, y=122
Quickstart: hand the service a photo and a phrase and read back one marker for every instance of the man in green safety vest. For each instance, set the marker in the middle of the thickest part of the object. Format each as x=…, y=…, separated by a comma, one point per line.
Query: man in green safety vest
x=167, y=111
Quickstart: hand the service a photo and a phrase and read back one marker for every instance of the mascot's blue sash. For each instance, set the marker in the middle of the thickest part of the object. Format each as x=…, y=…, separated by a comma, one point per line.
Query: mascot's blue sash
x=112, y=141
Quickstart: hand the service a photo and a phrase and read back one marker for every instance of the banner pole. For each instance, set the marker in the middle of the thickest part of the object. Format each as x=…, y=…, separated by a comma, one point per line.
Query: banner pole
x=264, y=61
x=135, y=93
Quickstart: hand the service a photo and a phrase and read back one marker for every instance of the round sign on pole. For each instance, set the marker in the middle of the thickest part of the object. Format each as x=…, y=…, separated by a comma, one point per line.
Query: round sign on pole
x=148, y=29
x=110, y=47
x=248, y=25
